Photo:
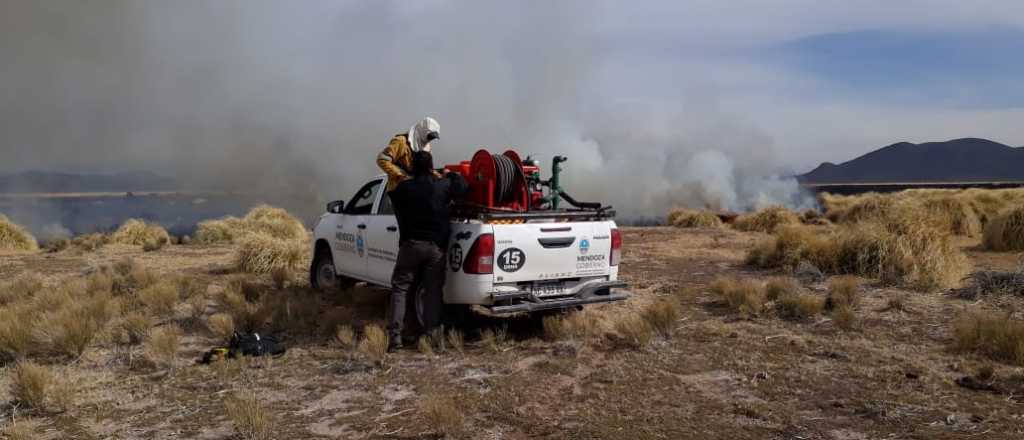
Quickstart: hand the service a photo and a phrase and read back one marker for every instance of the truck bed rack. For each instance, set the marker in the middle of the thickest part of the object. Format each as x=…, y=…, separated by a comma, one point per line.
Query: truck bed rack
x=469, y=212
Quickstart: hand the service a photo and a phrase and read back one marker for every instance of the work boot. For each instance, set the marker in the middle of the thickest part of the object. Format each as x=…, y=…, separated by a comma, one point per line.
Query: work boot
x=394, y=343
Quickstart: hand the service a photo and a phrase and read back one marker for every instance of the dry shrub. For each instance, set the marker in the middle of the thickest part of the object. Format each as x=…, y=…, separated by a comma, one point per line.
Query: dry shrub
x=17, y=330
x=1005, y=232
x=374, y=344
x=798, y=306
x=689, y=218
x=263, y=219
x=896, y=252
x=442, y=416
x=280, y=277
x=778, y=287
x=151, y=246
x=241, y=300
x=128, y=275
x=743, y=296
x=56, y=245
x=136, y=326
x=31, y=384
x=23, y=287
x=424, y=346
x=90, y=242
x=196, y=306
x=20, y=430
x=99, y=281
x=251, y=419
x=843, y=292
x=555, y=328
x=137, y=232
x=160, y=299
x=576, y=325
x=845, y=318
x=957, y=213
x=494, y=339
x=296, y=312
x=345, y=336
x=456, y=340
x=634, y=330
x=222, y=325
x=864, y=207
x=76, y=322
x=163, y=344
x=662, y=316
x=996, y=336
x=14, y=237
x=261, y=253
x=811, y=216
x=766, y=220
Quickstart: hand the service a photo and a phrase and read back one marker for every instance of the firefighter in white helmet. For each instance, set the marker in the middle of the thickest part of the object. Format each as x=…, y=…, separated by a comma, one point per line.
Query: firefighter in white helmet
x=396, y=159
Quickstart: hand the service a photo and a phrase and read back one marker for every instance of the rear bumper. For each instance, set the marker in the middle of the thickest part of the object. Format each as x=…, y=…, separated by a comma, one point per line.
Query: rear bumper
x=592, y=293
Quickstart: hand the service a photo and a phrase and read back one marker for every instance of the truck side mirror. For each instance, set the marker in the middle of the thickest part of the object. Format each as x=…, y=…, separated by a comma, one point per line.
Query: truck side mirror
x=336, y=206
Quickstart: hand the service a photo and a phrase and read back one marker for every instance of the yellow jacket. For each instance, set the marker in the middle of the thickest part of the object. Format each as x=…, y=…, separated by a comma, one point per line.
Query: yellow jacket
x=396, y=160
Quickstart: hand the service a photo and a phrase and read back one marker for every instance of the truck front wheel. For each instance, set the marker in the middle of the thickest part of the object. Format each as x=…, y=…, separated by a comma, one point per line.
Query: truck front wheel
x=323, y=274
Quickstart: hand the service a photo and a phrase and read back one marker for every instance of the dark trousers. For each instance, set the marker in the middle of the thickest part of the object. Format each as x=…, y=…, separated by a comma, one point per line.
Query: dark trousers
x=418, y=261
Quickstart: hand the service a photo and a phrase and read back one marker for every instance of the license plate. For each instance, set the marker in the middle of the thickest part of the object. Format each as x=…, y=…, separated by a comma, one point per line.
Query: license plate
x=548, y=289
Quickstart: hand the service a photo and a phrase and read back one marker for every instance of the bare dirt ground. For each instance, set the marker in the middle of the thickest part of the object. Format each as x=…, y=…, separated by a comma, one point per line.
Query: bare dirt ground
x=719, y=376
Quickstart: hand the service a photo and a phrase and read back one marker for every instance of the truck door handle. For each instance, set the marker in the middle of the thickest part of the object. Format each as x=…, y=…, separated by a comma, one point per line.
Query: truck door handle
x=556, y=243
x=362, y=226
x=392, y=228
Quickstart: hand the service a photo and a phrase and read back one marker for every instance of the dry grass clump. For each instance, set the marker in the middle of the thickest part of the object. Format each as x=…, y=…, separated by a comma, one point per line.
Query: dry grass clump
x=443, y=417
x=137, y=232
x=634, y=330
x=1005, y=232
x=31, y=384
x=690, y=218
x=90, y=242
x=956, y=213
x=852, y=209
x=261, y=253
x=240, y=300
x=456, y=339
x=263, y=219
x=69, y=321
x=160, y=299
x=996, y=336
x=494, y=339
x=662, y=316
x=766, y=220
x=345, y=336
x=17, y=330
x=163, y=344
x=845, y=318
x=778, y=287
x=20, y=430
x=13, y=237
x=896, y=252
x=798, y=306
x=576, y=325
x=222, y=325
x=136, y=326
x=251, y=419
x=22, y=287
x=374, y=344
x=743, y=296
x=843, y=292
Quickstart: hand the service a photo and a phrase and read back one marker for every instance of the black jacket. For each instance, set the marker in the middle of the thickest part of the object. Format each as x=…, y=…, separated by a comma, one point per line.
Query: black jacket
x=422, y=207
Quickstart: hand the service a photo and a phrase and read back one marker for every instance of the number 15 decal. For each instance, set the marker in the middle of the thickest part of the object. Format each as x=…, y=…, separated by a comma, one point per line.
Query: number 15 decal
x=511, y=259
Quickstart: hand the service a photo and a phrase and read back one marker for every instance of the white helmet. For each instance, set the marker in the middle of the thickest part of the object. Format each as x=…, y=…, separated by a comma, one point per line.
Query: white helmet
x=423, y=133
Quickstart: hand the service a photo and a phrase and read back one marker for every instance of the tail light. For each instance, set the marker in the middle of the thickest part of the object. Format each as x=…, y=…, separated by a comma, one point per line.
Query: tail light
x=480, y=259
x=616, y=254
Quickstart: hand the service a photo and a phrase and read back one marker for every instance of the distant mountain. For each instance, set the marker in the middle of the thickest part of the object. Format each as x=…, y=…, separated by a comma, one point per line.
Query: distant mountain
x=53, y=182
x=958, y=160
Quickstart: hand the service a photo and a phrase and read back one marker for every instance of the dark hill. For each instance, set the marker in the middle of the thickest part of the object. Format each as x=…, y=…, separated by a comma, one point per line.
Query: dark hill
x=958, y=160
x=53, y=182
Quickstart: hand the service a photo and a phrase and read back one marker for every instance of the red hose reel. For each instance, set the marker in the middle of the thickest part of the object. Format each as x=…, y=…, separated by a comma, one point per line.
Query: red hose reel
x=497, y=180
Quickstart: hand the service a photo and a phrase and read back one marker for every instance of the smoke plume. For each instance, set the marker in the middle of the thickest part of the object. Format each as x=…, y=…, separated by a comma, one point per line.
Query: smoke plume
x=297, y=98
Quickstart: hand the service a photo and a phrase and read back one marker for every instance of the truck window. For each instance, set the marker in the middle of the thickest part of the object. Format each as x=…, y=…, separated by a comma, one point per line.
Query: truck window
x=362, y=203
x=385, y=208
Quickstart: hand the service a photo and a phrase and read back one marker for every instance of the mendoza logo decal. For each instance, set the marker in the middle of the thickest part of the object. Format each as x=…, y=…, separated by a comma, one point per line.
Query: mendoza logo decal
x=511, y=259
x=584, y=246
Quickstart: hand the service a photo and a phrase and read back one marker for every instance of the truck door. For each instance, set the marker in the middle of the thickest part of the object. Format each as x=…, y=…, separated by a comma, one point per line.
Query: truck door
x=350, y=257
x=382, y=241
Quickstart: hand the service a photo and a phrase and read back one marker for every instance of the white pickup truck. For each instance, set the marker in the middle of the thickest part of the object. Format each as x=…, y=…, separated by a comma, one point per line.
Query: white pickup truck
x=506, y=262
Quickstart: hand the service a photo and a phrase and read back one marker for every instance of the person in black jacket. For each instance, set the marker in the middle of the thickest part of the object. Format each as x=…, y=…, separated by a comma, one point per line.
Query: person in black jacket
x=422, y=209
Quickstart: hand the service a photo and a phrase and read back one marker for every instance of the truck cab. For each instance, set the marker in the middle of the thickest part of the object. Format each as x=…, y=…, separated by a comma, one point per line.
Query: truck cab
x=504, y=261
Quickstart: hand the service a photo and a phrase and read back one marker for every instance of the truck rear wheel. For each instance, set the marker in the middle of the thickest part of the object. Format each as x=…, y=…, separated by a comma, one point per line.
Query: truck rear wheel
x=322, y=275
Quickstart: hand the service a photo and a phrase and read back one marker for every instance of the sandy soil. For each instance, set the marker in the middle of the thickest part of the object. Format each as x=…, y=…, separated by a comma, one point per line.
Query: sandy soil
x=719, y=376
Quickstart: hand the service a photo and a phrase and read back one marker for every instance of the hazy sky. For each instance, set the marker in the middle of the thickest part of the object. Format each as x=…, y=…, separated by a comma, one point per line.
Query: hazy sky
x=651, y=100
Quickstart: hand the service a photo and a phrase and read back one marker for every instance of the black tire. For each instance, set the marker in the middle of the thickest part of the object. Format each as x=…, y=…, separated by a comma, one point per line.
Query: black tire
x=322, y=275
